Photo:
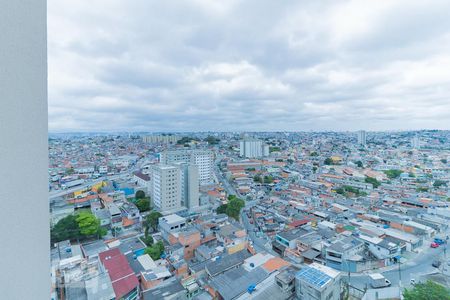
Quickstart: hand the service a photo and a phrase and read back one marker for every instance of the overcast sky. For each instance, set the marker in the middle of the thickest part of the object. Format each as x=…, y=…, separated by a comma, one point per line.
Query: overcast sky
x=248, y=65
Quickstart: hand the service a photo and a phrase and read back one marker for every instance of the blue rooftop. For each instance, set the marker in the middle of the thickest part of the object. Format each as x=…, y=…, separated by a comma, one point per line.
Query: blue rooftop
x=313, y=276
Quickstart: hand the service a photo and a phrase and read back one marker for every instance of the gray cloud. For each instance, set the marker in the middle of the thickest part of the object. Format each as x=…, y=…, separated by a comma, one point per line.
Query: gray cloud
x=248, y=65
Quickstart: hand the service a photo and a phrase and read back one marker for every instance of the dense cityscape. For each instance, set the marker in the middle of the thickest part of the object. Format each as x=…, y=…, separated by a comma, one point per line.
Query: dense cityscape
x=254, y=215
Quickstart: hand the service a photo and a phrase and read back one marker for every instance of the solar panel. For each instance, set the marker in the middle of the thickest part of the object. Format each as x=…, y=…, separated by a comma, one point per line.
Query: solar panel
x=313, y=276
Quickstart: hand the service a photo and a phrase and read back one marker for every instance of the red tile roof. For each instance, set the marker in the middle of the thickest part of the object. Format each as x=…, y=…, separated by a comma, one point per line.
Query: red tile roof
x=81, y=200
x=127, y=222
x=122, y=276
x=301, y=222
x=275, y=263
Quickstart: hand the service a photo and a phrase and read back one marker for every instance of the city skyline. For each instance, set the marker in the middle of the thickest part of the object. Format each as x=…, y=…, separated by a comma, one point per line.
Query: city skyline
x=276, y=67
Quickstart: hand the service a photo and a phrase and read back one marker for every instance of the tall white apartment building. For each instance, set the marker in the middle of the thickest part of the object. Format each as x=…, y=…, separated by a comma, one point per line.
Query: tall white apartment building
x=415, y=142
x=203, y=159
x=161, y=138
x=166, y=188
x=189, y=185
x=362, y=139
x=253, y=148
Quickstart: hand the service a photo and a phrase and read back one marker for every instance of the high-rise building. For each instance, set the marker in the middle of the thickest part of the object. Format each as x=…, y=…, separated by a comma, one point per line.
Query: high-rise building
x=166, y=188
x=415, y=142
x=189, y=185
x=161, y=138
x=318, y=282
x=362, y=137
x=253, y=148
x=203, y=159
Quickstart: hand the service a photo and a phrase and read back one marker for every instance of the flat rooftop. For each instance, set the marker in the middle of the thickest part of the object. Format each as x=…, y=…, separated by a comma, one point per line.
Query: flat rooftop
x=317, y=274
x=173, y=218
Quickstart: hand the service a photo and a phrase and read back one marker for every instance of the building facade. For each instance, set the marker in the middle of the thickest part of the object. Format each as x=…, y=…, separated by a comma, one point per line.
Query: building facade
x=166, y=188
x=203, y=159
x=189, y=181
x=253, y=148
x=362, y=139
x=415, y=142
x=161, y=139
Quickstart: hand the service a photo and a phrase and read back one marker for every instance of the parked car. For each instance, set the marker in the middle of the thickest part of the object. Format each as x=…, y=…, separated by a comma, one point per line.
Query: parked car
x=436, y=264
x=434, y=245
x=439, y=241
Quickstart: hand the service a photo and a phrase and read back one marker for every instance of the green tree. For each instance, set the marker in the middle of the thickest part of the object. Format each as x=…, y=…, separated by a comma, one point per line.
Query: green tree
x=274, y=149
x=359, y=164
x=212, y=140
x=155, y=250
x=140, y=194
x=373, y=181
x=257, y=178
x=393, y=173
x=347, y=190
x=89, y=224
x=231, y=197
x=427, y=291
x=444, y=161
x=314, y=169
x=222, y=209
x=314, y=153
x=151, y=221
x=234, y=207
x=148, y=240
x=186, y=140
x=438, y=183
x=328, y=161
x=66, y=229
x=143, y=204
x=268, y=179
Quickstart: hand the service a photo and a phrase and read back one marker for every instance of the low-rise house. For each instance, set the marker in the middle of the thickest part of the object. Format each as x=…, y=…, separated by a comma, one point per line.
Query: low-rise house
x=170, y=290
x=381, y=248
x=318, y=282
x=124, y=281
x=233, y=237
x=142, y=180
x=339, y=254
x=171, y=224
x=288, y=239
x=221, y=264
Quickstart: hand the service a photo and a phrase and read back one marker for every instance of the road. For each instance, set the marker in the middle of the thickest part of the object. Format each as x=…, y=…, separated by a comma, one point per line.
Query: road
x=225, y=183
x=420, y=265
x=58, y=193
x=260, y=244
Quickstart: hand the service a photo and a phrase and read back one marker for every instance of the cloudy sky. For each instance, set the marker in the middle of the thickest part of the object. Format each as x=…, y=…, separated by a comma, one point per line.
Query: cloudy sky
x=141, y=65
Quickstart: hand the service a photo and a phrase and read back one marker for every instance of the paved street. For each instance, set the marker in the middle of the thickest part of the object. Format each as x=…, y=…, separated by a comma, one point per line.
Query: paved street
x=419, y=265
x=58, y=193
x=260, y=244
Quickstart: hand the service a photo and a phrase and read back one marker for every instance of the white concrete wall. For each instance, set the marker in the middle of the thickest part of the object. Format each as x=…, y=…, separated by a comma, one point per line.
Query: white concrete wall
x=24, y=234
